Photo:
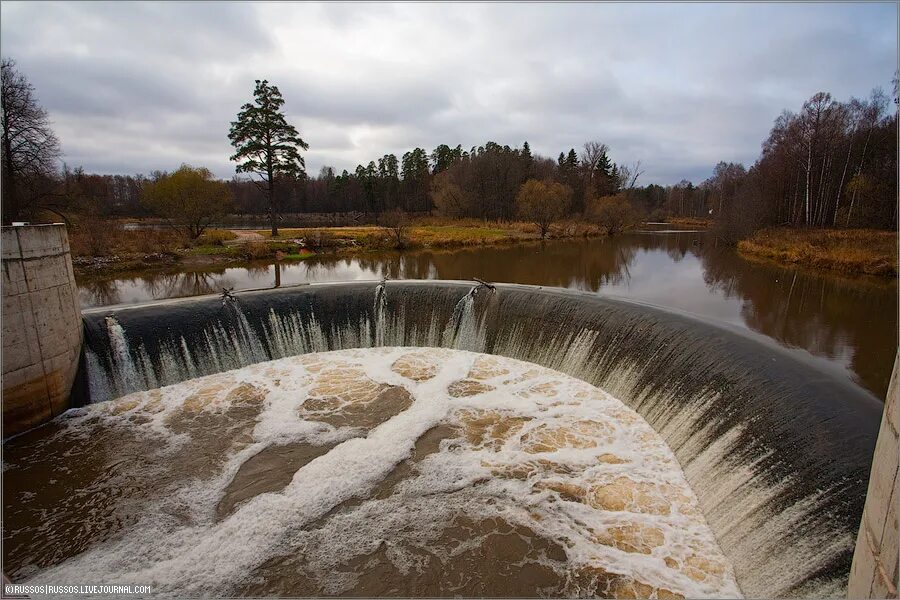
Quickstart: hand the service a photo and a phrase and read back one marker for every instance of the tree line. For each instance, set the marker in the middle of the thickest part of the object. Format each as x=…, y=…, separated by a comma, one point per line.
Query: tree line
x=480, y=182
x=831, y=164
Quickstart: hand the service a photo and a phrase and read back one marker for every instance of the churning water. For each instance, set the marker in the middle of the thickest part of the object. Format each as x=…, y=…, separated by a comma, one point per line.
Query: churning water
x=227, y=450
x=384, y=471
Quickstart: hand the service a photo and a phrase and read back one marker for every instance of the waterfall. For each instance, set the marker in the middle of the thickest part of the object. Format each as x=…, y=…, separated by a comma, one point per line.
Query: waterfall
x=128, y=379
x=246, y=343
x=776, y=449
x=465, y=329
x=380, y=310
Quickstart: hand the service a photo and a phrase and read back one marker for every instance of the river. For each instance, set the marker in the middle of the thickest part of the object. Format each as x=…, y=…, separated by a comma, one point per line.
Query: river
x=851, y=322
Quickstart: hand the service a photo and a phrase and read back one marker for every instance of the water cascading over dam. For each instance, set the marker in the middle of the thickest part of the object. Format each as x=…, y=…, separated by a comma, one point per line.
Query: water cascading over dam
x=776, y=449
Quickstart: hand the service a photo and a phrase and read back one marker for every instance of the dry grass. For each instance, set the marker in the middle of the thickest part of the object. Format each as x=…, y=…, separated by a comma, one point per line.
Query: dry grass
x=432, y=232
x=99, y=237
x=215, y=237
x=847, y=250
x=699, y=222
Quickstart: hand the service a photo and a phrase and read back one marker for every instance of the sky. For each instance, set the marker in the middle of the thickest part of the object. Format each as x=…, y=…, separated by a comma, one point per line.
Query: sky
x=134, y=87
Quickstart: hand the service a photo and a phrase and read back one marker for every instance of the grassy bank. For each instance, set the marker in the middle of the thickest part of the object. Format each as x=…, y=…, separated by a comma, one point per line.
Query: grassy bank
x=106, y=247
x=853, y=251
x=698, y=222
x=415, y=236
x=431, y=233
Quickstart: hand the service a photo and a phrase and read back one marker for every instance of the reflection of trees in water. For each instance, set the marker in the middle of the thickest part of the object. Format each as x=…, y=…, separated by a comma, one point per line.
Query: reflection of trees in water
x=584, y=265
x=193, y=283
x=154, y=286
x=845, y=319
x=100, y=293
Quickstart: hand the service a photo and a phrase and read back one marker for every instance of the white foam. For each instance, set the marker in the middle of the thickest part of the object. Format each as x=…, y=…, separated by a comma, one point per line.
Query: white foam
x=209, y=557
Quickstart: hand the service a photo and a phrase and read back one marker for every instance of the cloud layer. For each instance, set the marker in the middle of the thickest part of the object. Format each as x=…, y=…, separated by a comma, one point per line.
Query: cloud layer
x=134, y=87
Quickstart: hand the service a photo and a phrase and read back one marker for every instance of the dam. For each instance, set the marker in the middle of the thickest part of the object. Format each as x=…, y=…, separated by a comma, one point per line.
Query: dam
x=433, y=438
x=774, y=450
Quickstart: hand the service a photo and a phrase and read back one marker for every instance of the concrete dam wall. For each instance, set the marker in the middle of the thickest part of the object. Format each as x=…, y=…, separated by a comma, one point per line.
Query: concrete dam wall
x=777, y=449
x=41, y=325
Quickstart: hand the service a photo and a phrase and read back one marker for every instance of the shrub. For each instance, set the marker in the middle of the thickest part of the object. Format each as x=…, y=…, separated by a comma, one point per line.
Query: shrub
x=256, y=250
x=215, y=237
x=613, y=213
x=543, y=203
x=319, y=239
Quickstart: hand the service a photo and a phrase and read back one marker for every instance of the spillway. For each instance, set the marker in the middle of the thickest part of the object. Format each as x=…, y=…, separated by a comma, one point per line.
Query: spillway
x=775, y=447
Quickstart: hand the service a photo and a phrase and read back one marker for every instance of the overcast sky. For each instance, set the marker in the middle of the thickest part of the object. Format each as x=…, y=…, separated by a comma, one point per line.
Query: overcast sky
x=134, y=87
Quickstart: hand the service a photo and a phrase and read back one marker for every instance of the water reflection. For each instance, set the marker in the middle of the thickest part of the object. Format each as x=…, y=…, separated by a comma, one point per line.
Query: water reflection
x=851, y=322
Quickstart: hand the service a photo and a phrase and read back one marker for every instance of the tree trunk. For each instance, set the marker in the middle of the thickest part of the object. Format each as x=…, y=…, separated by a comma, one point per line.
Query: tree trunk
x=10, y=198
x=837, y=201
x=270, y=192
x=808, y=171
x=862, y=159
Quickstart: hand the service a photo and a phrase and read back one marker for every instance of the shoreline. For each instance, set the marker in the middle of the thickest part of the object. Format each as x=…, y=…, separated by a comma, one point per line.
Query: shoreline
x=856, y=252
x=295, y=244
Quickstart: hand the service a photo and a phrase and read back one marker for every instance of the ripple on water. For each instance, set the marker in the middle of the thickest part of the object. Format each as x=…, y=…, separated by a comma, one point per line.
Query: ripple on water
x=389, y=471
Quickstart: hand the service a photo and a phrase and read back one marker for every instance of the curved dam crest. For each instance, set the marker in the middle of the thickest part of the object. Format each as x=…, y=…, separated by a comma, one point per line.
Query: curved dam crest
x=776, y=449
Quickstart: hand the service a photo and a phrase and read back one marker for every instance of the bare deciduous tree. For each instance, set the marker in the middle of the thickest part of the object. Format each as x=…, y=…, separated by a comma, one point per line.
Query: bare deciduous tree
x=592, y=153
x=628, y=175
x=30, y=150
x=397, y=222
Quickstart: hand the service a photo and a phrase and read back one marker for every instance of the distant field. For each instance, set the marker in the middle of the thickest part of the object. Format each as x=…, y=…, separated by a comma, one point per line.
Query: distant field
x=867, y=251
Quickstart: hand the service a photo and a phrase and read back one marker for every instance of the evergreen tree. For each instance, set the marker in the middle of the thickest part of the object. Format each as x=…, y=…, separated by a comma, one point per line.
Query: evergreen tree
x=266, y=144
x=606, y=182
x=441, y=158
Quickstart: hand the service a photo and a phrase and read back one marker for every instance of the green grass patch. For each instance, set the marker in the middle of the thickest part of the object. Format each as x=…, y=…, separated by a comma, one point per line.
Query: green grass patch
x=213, y=250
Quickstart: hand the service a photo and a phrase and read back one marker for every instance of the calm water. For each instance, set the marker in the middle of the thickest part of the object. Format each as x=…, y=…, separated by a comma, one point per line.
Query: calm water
x=851, y=322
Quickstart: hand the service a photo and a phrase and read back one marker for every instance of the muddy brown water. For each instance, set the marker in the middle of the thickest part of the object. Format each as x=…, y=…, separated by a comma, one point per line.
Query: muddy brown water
x=493, y=477
x=848, y=321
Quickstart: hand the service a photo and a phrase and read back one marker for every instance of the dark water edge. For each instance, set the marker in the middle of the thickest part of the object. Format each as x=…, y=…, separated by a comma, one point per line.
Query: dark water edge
x=851, y=322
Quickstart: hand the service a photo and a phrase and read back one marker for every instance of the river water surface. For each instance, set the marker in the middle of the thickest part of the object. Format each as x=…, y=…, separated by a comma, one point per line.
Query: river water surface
x=851, y=322
x=379, y=472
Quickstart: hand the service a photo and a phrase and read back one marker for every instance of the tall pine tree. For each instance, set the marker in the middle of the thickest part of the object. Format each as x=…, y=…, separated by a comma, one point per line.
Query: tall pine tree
x=266, y=144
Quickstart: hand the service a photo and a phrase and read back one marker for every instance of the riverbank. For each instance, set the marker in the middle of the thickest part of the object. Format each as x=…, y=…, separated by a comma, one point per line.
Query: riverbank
x=100, y=250
x=851, y=251
x=430, y=233
x=696, y=222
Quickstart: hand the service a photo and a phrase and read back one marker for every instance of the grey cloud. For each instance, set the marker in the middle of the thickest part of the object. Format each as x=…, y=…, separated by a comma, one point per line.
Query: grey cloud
x=134, y=87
